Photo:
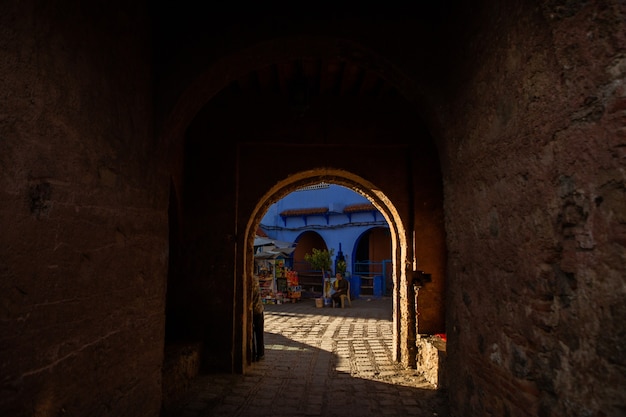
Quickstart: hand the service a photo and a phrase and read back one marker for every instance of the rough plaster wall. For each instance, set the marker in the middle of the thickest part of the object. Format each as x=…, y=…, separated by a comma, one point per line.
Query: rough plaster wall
x=535, y=200
x=83, y=214
x=430, y=245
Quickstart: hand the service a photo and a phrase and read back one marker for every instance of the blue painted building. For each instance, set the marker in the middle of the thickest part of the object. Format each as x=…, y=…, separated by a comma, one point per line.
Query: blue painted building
x=332, y=217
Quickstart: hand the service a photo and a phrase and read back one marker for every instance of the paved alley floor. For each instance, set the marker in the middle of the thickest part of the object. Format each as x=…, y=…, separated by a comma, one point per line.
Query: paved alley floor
x=320, y=362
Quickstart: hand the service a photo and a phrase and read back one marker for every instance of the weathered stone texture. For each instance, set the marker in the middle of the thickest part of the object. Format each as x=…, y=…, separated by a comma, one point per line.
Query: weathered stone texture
x=431, y=360
x=536, y=240
x=83, y=248
x=180, y=366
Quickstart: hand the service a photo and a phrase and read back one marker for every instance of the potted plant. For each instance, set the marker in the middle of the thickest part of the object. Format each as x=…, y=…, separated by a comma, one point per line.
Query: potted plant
x=341, y=267
x=320, y=259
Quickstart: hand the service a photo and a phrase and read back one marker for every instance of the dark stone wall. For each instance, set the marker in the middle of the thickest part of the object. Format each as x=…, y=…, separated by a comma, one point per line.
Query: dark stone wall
x=83, y=213
x=533, y=168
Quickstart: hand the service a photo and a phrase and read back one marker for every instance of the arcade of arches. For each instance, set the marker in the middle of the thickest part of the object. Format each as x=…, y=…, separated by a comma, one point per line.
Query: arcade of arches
x=141, y=143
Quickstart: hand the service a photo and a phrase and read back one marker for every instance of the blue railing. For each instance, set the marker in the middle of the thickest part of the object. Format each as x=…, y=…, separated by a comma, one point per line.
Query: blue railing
x=372, y=278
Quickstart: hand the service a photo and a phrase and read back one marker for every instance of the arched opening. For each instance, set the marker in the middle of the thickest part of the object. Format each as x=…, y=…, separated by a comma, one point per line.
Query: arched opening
x=309, y=280
x=399, y=247
x=372, y=262
x=337, y=219
x=335, y=137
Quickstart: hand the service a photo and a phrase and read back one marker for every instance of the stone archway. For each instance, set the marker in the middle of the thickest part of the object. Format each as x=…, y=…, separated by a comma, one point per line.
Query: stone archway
x=404, y=327
x=208, y=79
x=341, y=130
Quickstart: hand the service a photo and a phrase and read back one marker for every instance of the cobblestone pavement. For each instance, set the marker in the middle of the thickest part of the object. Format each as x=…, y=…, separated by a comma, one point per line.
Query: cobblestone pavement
x=320, y=362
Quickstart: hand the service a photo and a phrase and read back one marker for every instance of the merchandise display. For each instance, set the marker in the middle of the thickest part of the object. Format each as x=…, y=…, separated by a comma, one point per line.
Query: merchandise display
x=279, y=284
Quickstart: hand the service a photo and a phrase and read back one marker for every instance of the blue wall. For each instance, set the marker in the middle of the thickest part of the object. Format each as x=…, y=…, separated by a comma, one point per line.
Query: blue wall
x=337, y=228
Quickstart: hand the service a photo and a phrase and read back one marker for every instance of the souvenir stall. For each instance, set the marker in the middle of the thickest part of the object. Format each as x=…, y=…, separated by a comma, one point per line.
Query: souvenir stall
x=279, y=284
x=286, y=280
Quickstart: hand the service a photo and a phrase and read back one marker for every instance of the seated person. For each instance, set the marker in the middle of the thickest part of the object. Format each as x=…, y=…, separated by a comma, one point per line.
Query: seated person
x=341, y=288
